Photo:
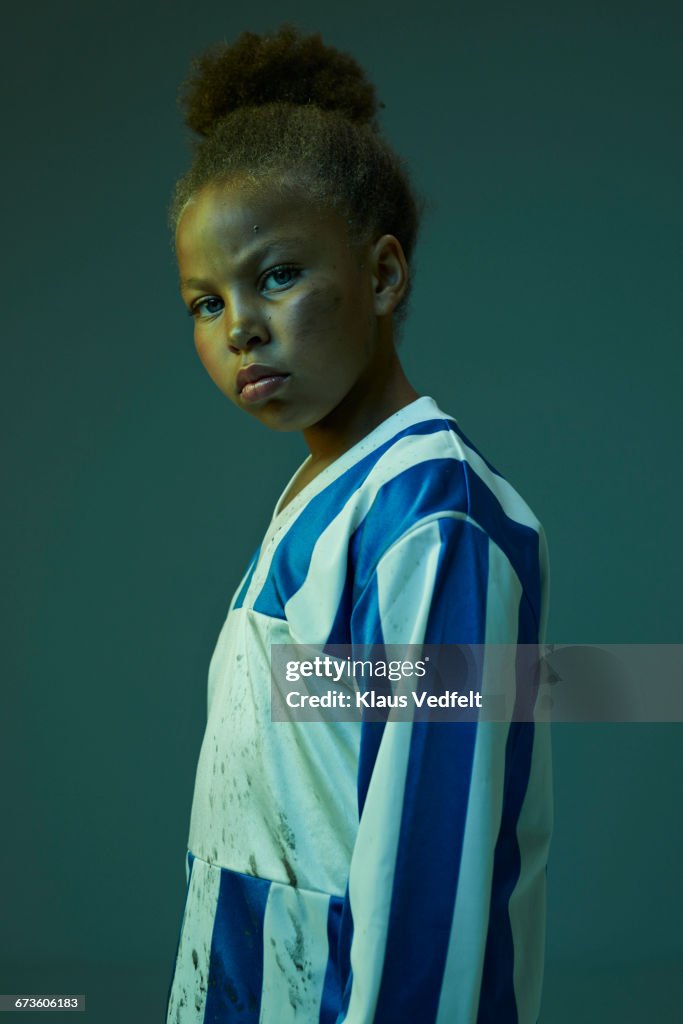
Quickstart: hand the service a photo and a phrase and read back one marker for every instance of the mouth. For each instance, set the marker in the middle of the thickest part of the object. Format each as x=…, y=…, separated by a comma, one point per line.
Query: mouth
x=257, y=382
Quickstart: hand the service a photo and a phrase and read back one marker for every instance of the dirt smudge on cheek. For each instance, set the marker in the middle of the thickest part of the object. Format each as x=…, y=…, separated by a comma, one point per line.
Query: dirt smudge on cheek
x=315, y=314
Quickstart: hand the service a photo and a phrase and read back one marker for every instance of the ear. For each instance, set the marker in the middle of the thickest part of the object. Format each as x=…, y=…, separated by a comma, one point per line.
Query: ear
x=390, y=274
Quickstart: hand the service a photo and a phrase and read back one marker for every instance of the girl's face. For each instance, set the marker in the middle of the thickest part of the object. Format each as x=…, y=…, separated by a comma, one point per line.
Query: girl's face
x=285, y=310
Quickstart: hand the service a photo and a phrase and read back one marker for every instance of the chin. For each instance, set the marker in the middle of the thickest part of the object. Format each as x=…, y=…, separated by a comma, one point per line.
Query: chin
x=283, y=420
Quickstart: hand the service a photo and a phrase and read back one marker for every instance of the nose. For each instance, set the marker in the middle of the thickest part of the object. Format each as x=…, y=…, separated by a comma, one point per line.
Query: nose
x=245, y=332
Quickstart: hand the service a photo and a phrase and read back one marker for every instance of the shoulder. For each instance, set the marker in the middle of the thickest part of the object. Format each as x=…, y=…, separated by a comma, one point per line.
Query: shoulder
x=432, y=498
x=432, y=471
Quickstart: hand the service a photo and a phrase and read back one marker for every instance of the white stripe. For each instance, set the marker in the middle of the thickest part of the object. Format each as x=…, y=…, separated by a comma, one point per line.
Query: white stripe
x=241, y=583
x=190, y=981
x=528, y=900
x=295, y=955
x=404, y=606
x=512, y=503
x=459, y=1001
x=371, y=878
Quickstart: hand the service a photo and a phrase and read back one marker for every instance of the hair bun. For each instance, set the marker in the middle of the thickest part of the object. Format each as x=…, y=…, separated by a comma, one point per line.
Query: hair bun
x=281, y=68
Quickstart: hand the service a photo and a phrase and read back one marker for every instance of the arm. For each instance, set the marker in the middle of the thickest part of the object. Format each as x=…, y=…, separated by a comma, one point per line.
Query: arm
x=444, y=914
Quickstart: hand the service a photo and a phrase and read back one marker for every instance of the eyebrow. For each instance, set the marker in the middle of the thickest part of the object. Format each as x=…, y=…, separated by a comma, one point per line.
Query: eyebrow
x=257, y=251
x=196, y=282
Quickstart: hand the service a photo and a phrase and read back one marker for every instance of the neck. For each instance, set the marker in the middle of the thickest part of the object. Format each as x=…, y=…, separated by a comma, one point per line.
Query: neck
x=378, y=394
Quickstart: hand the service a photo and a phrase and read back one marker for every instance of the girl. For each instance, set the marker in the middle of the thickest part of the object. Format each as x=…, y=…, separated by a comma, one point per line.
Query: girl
x=347, y=872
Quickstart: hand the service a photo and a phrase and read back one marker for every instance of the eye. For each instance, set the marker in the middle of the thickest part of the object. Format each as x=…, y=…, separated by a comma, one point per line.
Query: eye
x=282, y=277
x=207, y=307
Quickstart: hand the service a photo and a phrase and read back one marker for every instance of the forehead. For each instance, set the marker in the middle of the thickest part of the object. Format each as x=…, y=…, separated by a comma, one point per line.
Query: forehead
x=237, y=219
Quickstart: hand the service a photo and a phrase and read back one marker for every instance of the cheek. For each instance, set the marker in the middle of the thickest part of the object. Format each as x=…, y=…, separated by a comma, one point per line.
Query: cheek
x=319, y=310
x=212, y=358
x=204, y=350
x=208, y=342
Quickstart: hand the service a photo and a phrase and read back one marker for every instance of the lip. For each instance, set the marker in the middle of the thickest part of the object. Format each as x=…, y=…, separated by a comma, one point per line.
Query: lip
x=256, y=371
x=256, y=382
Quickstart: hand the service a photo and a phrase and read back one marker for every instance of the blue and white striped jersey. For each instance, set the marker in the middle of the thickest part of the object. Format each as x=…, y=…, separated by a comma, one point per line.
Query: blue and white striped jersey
x=367, y=872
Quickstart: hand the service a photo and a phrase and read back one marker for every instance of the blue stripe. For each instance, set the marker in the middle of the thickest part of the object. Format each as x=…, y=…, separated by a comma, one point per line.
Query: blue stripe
x=427, y=868
x=332, y=992
x=236, y=964
x=455, y=428
x=517, y=541
x=458, y=609
x=344, y=954
x=527, y=663
x=497, y=1004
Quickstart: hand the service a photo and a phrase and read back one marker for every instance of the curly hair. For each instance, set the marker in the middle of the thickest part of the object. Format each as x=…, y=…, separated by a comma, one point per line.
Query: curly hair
x=292, y=111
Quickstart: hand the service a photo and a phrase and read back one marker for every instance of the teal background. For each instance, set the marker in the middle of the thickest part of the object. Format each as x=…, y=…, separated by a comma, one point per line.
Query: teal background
x=546, y=318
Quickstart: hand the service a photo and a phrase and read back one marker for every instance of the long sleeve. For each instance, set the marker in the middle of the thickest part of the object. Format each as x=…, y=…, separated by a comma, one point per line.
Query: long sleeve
x=444, y=914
